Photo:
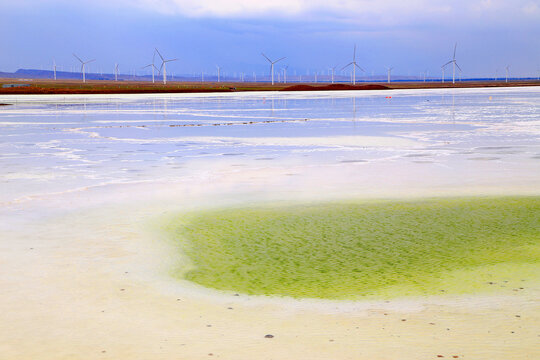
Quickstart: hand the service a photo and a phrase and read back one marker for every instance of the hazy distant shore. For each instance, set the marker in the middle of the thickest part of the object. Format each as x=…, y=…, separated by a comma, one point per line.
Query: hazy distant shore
x=40, y=86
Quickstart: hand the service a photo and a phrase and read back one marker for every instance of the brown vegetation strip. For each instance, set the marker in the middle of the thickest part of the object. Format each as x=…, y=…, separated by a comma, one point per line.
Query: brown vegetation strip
x=334, y=87
x=47, y=86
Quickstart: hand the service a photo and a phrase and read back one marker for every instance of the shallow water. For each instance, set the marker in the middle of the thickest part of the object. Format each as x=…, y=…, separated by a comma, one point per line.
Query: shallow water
x=474, y=137
x=357, y=250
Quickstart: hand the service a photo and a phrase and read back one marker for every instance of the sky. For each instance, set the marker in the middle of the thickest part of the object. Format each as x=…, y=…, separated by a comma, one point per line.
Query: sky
x=412, y=36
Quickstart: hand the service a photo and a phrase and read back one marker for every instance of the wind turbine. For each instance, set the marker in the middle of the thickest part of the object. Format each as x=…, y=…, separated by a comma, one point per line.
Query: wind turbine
x=442, y=79
x=218, y=73
x=116, y=72
x=507, y=68
x=389, y=70
x=272, y=65
x=333, y=71
x=164, y=66
x=285, y=73
x=54, y=69
x=454, y=64
x=153, y=66
x=355, y=65
x=83, y=65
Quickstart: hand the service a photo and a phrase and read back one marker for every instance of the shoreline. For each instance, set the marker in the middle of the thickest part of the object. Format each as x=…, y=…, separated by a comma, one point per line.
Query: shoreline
x=64, y=87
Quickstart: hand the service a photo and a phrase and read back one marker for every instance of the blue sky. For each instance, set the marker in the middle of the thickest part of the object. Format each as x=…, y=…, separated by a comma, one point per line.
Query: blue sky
x=413, y=36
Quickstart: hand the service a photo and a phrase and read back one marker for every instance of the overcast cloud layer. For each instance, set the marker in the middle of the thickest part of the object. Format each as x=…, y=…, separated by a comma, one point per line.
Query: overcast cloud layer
x=412, y=35
x=400, y=11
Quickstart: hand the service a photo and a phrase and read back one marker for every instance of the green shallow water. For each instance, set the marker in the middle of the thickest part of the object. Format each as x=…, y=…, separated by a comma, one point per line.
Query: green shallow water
x=351, y=250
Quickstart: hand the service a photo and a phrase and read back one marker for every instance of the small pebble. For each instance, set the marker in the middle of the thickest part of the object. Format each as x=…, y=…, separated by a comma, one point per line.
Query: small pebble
x=440, y=356
x=268, y=336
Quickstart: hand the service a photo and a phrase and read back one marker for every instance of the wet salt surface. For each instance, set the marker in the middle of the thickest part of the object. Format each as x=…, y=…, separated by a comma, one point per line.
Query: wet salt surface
x=58, y=143
x=76, y=196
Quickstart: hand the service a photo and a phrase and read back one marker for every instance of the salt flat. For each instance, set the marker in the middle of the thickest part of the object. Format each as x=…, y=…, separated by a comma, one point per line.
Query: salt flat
x=84, y=273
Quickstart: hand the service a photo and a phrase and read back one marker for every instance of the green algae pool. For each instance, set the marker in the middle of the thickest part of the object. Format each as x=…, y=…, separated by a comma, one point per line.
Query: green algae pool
x=374, y=249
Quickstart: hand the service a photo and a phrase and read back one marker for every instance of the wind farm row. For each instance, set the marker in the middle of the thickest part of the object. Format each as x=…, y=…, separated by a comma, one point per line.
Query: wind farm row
x=334, y=74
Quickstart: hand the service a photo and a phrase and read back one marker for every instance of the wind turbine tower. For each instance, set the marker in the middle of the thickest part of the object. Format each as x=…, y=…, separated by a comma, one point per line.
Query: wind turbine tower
x=218, y=73
x=389, y=70
x=83, y=65
x=164, y=66
x=442, y=79
x=354, y=65
x=116, y=72
x=272, y=65
x=54, y=69
x=507, y=69
x=153, y=66
x=454, y=64
x=333, y=72
x=285, y=74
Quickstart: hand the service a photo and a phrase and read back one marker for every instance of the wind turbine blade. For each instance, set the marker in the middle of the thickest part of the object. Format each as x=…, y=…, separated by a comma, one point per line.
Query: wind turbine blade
x=144, y=67
x=171, y=60
x=349, y=64
x=89, y=61
x=455, y=46
x=358, y=66
x=458, y=67
x=354, y=53
x=266, y=57
x=279, y=59
x=78, y=58
x=162, y=59
x=451, y=61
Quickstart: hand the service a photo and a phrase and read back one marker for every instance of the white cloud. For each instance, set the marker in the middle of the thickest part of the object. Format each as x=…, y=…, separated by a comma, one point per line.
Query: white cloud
x=286, y=8
x=358, y=11
x=347, y=9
